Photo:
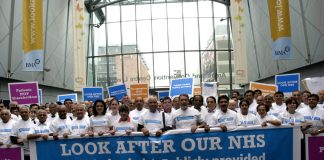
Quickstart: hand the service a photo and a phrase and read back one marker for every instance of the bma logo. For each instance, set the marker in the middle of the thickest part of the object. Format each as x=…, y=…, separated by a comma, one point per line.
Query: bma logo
x=283, y=52
x=31, y=65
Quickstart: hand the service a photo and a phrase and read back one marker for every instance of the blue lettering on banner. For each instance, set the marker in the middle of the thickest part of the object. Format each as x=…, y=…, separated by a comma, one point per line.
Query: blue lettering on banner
x=152, y=121
x=98, y=122
x=247, y=122
x=315, y=118
x=23, y=129
x=183, y=118
x=42, y=131
x=274, y=114
x=5, y=130
x=61, y=128
x=225, y=119
x=241, y=144
x=123, y=128
x=78, y=127
x=286, y=120
x=135, y=118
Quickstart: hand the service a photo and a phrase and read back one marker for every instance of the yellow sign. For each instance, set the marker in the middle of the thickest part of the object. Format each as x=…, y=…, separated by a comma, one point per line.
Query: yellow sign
x=265, y=88
x=280, y=29
x=139, y=90
x=279, y=18
x=33, y=59
x=32, y=25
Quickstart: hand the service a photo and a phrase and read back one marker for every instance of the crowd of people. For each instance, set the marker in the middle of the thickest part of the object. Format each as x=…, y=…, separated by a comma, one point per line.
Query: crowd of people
x=153, y=117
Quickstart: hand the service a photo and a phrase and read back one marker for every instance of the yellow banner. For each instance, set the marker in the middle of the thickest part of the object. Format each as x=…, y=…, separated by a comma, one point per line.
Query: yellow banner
x=78, y=44
x=265, y=88
x=139, y=90
x=279, y=18
x=32, y=25
x=239, y=42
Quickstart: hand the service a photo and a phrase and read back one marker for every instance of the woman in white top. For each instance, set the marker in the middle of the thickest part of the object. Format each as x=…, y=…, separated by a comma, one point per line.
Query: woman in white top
x=244, y=118
x=124, y=124
x=266, y=119
x=99, y=119
x=114, y=114
x=291, y=117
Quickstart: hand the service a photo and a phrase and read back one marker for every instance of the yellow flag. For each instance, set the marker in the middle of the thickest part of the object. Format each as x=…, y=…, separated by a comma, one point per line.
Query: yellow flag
x=33, y=59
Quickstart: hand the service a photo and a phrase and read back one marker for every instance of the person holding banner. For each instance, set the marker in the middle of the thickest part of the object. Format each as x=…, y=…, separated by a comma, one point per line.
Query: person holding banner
x=186, y=117
x=135, y=114
x=124, y=124
x=6, y=126
x=80, y=125
x=41, y=128
x=278, y=106
x=224, y=117
x=291, y=117
x=265, y=119
x=21, y=129
x=99, y=120
x=61, y=126
x=211, y=109
x=244, y=118
x=314, y=116
x=154, y=121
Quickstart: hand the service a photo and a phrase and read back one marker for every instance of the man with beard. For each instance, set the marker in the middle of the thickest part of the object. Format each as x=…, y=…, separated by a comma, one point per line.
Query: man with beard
x=186, y=117
x=61, y=126
x=224, y=117
x=135, y=114
x=21, y=129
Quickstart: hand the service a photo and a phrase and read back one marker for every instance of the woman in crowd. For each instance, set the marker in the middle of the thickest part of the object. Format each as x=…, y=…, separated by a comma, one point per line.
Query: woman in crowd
x=123, y=124
x=264, y=118
x=114, y=113
x=290, y=116
x=99, y=119
x=244, y=118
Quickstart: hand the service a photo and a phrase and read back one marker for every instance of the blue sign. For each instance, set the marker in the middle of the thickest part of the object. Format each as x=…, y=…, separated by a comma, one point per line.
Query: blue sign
x=118, y=91
x=288, y=82
x=162, y=94
x=92, y=94
x=40, y=96
x=239, y=144
x=73, y=96
x=181, y=86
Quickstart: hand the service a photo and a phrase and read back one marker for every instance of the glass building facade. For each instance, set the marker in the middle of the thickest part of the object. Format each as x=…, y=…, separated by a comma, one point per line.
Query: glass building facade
x=155, y=41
